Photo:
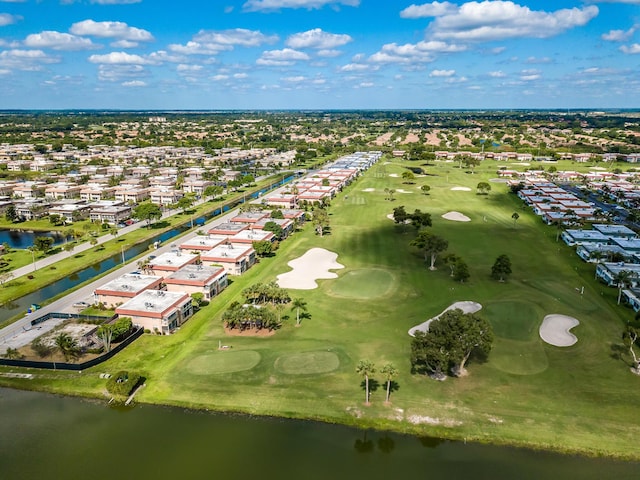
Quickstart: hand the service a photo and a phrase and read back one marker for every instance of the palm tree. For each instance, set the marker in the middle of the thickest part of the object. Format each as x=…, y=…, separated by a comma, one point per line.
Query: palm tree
x=389, y=371
x=622, y=278
x=298, y=304
x=366, y=368
x=67, y=346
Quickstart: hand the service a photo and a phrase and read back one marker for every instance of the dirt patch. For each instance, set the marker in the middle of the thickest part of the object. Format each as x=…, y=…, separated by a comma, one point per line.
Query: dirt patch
x=249, y=332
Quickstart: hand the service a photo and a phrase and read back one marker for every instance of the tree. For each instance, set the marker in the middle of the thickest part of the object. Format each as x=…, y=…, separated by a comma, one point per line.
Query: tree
x=420, y=219
x=42, y=244
x=515, y=217
x=263, y=248
x=365, y=368
x=11, y=215
x=461, y=271
x=622, y=278
x=67, y=346
x=274, y=228
x=185, y=202
x=105, y=334
x=147, y=211
x=425, y=189
x=431, y=244
x=93, y=241
x=55, y=219
x=277, y=214
x=483, y=188
x=501, y=268
x=408, y=177
x=320, y=220
x=68, y=247
x=212, y=191
x=298, y=304
x=630, y=337
x=449, y=343
x=450, y=260
x=400, y=215
x=13, y=354
x=389, y=372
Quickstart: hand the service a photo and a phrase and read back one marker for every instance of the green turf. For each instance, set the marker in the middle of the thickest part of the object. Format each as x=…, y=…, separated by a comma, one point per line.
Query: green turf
x=581, y=398
x=363, y=284
x=307, y=363
x=223, y=362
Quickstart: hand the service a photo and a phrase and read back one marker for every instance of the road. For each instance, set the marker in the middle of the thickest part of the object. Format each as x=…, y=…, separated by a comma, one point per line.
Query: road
x=21, y=332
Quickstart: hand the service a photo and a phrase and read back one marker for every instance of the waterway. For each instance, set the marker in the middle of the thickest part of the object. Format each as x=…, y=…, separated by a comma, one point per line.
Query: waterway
x=20, y=305
x=44, y=436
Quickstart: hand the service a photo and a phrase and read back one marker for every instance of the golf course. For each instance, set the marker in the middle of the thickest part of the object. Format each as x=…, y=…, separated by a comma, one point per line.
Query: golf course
x=375, y=287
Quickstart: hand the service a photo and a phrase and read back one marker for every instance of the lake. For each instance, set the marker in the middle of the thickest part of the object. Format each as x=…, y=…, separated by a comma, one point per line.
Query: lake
x=44, y=436
x=17, y=238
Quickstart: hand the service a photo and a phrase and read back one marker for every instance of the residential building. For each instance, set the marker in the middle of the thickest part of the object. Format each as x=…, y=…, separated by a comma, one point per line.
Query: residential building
x=125, y=287
x=157, y=310
x=209, y=281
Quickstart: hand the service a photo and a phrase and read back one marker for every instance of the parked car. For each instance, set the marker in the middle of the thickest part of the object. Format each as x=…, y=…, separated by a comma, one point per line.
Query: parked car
x=81, y=305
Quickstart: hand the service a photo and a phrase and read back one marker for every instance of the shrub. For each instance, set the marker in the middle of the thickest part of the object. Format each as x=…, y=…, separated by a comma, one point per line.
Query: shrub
x=123, y=383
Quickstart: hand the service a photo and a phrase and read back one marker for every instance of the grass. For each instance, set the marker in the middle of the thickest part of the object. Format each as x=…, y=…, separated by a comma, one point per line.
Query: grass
x=577, y=399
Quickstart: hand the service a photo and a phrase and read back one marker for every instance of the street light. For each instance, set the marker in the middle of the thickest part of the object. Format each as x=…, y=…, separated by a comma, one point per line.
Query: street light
x=33, y=257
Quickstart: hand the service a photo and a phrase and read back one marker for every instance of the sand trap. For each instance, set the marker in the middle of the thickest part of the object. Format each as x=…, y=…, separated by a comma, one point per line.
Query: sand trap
x=466, y=306
x=369, y=190
x=456, y=217
x=521, y=163
x=394, y=175
x=400, y=190
x=314, y=264
x=461, y=189
x=499, y=180
x=555, y=330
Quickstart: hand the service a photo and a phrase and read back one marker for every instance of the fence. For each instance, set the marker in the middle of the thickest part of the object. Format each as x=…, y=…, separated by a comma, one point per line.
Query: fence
x=72, y=366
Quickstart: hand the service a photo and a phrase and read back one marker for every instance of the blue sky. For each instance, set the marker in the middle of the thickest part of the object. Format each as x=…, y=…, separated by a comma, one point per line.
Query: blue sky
x=319, y=54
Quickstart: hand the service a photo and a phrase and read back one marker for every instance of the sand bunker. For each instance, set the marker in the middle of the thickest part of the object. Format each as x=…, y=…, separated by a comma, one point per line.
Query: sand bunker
x=400, y=190
x=394, y=175
x=461, y=189
x=555, y=330
x=313, y=265
x=456, y=217
x=521, y=163
x=466, y=306
x=369, y=190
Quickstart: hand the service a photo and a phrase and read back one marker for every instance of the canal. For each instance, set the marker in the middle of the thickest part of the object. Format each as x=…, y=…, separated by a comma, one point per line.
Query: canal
x=20, y=305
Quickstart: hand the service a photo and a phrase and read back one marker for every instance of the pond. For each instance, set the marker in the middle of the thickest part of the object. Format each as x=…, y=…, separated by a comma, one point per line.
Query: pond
x=41, y=435
x=17, y=238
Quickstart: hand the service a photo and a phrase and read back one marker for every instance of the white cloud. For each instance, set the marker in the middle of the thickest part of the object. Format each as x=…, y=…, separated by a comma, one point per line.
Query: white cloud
x=442, y=73
x=212, y=42
x=536, y=60
x=355, y=67
x=317, y=38
x=530, y=75
x=365, y=85
x=434, y=9
x=497, y=74
x=267, y=5
x=412, y=53
x=240, y=76
x=26, y=60
x=498, y=19
x=188, y=68
x=58, y=41
x=329, y=53
x=124, y=44
x=118, y=30
x=631, y=49
x=120, y=58
x=219, y=78
x=284, y=57
x=134, y=83
x=618, y=35
x=119, y=73
x=8, y=19
x=295, y=79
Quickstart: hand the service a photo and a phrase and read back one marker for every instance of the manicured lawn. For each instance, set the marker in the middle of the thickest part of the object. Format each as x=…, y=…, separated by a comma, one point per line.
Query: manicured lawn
x=581, y=398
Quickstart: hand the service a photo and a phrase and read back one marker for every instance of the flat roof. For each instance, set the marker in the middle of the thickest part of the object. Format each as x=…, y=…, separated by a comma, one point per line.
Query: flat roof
x=172, y=260
x=249, y=216
x=228, y=227
x=128, y=283
x=203, y=242
x=252, y=236
x=195, y=274
x=230, y=251
x=614, y=229
x=152, y=303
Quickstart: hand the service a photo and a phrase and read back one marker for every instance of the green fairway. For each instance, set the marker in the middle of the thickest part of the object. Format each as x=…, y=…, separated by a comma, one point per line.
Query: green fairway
x=579, y=399
x=363, y=284
x=223, y=362
x=307, y=363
